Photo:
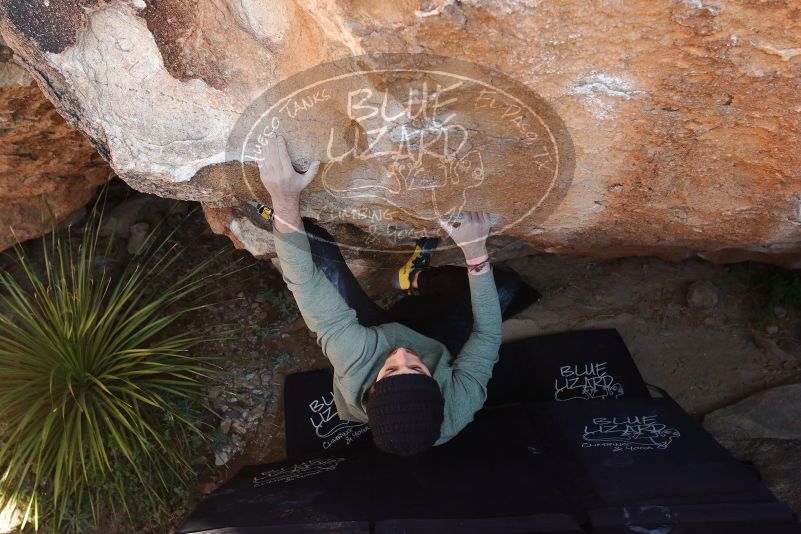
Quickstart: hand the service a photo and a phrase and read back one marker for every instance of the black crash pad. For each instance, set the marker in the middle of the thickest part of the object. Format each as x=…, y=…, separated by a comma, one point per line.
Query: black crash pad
x=571, y=366
x=645, y=463
x=605, y=464
x=311, y=420
x=629, y=465
x=475, y=482
x=324, y=494
x=581, y=365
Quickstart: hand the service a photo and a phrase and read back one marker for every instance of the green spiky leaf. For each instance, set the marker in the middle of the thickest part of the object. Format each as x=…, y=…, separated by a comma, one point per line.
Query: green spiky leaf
x=92, y=377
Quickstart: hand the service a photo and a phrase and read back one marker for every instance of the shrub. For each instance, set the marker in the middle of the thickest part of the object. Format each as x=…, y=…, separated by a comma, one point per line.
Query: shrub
x=98, y=391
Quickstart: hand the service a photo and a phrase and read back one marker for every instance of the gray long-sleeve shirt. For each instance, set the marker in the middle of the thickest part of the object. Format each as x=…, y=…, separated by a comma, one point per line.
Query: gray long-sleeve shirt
x=357, y=353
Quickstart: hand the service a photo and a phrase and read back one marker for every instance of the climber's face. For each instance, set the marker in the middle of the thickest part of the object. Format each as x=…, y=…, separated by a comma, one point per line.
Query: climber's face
x=402, y=361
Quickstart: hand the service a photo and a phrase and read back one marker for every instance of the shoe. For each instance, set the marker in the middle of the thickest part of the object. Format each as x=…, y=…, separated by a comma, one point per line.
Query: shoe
x=419, y=260
x=263, y=214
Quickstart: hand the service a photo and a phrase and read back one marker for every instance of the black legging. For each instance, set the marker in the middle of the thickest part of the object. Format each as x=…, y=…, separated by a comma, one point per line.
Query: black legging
x=441, y=311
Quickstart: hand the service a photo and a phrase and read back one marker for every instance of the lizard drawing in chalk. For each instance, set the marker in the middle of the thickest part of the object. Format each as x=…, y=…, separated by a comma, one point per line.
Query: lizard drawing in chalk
x=435, y=159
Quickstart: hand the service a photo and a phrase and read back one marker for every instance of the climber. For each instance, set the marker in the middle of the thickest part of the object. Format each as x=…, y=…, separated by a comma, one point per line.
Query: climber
x=406, y=385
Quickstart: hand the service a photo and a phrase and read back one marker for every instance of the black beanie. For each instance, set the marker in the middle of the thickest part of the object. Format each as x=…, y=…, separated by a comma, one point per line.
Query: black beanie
x=405, y=413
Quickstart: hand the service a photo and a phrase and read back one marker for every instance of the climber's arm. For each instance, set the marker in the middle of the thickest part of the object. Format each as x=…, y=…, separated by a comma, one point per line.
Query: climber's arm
x=472, y=368
x=343, y=340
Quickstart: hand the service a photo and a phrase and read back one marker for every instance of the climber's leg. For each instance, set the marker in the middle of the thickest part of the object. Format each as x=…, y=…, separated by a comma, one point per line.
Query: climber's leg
x=404, y=278
x=443, y=311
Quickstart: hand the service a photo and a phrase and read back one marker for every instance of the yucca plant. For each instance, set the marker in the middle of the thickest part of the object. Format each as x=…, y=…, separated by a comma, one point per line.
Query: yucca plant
x=98, y=391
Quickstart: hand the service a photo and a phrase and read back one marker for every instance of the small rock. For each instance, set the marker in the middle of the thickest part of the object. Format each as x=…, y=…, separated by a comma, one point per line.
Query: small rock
x=137, y=236
x=257, y=413
x=238, y=427
x=780, y=312
x=772, y=329
x=702, y=295
x=772, y=350
x=225, y=426
x=207, y=487
x=221, y=458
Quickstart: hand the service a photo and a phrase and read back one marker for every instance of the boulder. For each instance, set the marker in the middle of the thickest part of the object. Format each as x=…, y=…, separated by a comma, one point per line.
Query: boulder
x=632, y=128
x=48, y=171
x=772, y=414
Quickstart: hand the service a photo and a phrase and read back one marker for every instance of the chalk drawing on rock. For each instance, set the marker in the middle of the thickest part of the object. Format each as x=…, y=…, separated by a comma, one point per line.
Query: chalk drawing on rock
x=407, y=140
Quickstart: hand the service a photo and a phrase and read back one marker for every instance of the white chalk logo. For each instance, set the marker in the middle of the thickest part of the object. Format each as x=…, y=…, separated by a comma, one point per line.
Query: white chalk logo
x=630, y=433
x=329, y=427
x=406, y=140
x=427, y=150
x=586, y=381
x=296, y=471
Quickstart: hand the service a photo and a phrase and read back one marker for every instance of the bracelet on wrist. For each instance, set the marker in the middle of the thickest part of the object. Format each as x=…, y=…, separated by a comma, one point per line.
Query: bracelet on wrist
x=476, y=267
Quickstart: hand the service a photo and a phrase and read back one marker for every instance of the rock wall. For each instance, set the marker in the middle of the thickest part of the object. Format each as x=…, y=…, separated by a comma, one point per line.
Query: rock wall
x=685, y=116
x=47, y=169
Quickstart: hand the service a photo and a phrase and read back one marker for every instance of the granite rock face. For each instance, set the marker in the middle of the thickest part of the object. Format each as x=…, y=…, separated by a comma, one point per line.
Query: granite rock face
x=47, y=169
x=677, y=123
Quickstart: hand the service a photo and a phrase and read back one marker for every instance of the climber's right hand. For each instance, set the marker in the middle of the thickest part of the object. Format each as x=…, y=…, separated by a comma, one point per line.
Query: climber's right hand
x=470, y=232
x=278, y=175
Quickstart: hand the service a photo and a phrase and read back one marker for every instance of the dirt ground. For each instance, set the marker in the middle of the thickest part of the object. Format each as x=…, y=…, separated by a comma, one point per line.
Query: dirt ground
x=705, y=358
